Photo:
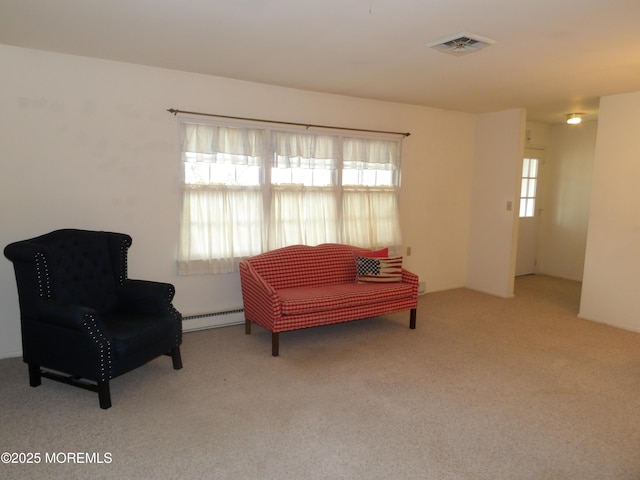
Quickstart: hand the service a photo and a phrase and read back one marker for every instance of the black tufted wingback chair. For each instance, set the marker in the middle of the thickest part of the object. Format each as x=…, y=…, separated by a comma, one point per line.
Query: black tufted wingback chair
x=83, y=321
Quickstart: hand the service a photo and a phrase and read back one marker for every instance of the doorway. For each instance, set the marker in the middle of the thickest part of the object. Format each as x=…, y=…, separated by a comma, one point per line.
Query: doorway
x=529, y=212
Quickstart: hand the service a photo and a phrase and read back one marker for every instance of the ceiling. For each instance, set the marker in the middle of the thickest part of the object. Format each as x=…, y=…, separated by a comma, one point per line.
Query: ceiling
x=551, y=57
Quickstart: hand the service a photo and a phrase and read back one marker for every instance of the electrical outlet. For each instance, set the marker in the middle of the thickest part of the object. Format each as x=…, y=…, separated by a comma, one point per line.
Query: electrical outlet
x=408, y=251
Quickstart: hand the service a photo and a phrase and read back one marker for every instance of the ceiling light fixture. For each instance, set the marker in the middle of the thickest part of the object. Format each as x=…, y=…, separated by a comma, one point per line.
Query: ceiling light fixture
x=574, y=118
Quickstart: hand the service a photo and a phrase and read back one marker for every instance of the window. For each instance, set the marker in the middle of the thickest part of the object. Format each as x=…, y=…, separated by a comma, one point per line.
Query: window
x=248, y=190
x=528, y=187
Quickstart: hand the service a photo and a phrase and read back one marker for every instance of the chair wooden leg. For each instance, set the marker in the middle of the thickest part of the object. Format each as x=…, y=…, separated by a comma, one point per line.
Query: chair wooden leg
x=35, y=378
x=412, y=319
x=247, y=326
x=275, y=344
x=104, y=394
x=176, y=358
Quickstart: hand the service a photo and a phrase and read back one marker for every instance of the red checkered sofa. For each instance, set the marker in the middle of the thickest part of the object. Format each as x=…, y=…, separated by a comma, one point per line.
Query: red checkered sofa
x=301, y=286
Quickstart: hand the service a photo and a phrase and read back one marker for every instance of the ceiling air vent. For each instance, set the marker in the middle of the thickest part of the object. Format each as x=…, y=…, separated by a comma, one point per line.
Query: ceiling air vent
x=461, y=43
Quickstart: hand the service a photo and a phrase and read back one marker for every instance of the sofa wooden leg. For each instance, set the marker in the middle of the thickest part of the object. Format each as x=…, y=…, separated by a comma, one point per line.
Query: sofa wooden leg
x=35, y=378
x=247, y=326
x=176, y=358
x=104, y=394
x=412, y=318
x=275, y=344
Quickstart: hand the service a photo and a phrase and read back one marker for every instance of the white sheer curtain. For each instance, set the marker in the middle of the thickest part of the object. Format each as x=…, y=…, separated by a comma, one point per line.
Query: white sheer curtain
x=222, y=211
x=302, y=215
x=370, y=217
x=304, y=206
x=371, y=153
x=305, y=150
x=214, y=144
x=371, y=171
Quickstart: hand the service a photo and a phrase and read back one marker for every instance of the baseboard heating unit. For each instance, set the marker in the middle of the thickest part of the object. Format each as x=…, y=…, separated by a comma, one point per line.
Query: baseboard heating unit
x=201, y=321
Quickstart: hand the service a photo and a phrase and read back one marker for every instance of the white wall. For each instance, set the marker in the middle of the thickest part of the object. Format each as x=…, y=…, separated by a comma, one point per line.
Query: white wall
x=499, y=146
x=436, y=193
x=565, y=201
x=88, y=143
x=610, y=289
x=538, y=135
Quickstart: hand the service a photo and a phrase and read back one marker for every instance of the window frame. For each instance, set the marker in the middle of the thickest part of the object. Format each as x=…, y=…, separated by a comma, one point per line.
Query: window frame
x=529, y=183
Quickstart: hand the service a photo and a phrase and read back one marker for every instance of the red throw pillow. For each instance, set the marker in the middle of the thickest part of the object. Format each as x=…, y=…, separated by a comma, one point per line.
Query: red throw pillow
x=382, y=253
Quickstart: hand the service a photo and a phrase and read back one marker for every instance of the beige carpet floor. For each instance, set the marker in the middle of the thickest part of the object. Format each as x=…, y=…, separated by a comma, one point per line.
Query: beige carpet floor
x=484, y=389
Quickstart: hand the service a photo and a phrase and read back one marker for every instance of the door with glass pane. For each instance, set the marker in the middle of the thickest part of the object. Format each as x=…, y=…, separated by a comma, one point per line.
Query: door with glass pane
x=529, y=212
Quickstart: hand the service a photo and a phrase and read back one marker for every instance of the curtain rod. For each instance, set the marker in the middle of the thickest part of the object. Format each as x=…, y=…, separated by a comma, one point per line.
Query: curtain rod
x=307, y=125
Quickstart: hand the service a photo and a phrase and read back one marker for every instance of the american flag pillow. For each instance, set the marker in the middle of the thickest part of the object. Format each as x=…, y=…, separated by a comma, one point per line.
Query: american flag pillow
x=378, y=270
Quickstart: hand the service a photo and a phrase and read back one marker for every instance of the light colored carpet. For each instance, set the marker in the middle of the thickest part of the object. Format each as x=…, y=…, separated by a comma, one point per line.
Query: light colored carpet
x=484, y=388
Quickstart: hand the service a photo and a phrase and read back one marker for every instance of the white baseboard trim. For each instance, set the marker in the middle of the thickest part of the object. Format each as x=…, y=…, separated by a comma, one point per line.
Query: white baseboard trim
x=193, y=323
x=15, y=354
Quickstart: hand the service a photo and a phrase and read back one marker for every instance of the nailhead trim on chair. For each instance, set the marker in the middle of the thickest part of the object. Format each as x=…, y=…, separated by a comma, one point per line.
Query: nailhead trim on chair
x=105, y=363
x=125, y=262
x=42, y=269
x=174, y=313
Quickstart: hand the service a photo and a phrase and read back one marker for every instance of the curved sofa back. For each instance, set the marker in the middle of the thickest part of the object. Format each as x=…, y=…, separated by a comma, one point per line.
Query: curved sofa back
x=304, y=266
